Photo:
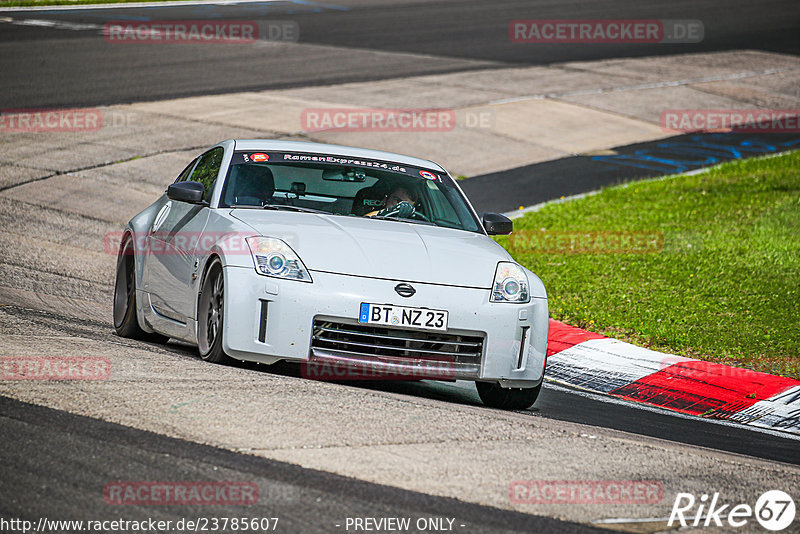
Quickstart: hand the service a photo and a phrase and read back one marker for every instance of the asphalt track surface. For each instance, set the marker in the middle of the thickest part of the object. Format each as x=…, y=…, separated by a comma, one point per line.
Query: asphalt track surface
x=564, y=404
x=509, y=190
x=85, y=453
x=59, y=67
x=56, y=464
x=340, y=41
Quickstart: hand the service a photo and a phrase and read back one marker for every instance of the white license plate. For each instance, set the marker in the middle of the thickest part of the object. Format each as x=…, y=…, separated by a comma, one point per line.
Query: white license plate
x=402, y=317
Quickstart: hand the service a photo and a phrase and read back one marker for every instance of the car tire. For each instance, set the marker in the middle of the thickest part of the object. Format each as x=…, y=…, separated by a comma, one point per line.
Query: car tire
x=495, y=396
x=126, y=323
x=211, y=315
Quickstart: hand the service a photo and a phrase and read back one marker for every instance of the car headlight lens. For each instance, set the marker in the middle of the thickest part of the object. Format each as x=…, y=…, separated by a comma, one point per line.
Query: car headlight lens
x=276, y=263
x=273, y=257
x=510, y=284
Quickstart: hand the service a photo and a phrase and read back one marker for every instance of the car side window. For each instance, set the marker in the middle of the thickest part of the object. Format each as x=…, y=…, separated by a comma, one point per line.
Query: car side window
x=207, y=170
x=185, y=172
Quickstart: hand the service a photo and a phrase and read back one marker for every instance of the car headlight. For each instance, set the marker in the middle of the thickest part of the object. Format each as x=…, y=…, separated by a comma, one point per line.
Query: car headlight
x=510, y=284
x=273, y=257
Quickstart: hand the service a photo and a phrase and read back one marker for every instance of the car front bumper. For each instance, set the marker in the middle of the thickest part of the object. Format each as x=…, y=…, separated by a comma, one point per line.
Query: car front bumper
x=269, y=319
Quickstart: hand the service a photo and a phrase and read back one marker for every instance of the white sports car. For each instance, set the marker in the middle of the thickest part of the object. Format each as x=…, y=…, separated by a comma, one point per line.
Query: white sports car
x=338, y=258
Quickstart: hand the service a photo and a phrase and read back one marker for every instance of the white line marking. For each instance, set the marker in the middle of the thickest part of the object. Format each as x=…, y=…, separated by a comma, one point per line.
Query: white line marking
x=623, y=520
x=779, y=411
x=616, y=520
x=603, y=365
x=536, y=207
x=55, y=24
x=176, y=3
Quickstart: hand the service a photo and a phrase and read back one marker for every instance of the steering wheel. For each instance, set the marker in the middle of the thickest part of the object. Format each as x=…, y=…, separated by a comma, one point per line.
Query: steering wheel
x=401, y=210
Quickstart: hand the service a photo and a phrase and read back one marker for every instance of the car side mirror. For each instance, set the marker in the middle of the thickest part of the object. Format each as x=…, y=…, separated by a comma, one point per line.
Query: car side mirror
x=497, y=224
x=191, y=192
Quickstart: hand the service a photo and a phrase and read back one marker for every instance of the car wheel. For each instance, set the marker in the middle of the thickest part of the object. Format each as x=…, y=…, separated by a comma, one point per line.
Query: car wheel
x=211, y=315
x=126, y=323
x=495, y=396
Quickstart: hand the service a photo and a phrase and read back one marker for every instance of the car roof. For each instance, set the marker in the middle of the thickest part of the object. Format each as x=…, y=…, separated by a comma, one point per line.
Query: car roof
x=333, y=150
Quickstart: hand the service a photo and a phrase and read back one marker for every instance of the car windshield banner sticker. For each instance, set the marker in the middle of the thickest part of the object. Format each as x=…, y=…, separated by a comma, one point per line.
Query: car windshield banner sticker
x=331, y=159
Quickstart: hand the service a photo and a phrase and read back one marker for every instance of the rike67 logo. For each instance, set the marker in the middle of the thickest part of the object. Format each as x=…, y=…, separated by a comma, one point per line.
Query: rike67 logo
x=774, y=510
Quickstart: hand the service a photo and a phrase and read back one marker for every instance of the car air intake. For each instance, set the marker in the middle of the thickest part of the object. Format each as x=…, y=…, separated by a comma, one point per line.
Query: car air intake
x=399, y=350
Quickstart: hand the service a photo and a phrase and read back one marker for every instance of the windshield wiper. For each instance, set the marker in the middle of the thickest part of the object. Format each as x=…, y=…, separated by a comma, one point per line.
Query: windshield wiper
x=292, y=208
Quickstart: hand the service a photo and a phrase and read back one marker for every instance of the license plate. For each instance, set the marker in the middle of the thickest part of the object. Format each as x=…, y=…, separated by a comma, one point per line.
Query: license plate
x=402, y=317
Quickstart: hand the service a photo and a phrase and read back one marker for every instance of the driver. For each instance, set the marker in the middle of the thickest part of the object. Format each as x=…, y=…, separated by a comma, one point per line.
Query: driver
x=401, y=200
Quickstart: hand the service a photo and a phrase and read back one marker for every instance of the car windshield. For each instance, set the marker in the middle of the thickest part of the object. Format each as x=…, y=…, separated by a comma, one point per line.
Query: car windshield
x=346, y=186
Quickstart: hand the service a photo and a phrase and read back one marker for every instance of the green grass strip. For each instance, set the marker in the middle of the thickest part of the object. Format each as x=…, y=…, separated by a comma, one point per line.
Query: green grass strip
x=706, y=266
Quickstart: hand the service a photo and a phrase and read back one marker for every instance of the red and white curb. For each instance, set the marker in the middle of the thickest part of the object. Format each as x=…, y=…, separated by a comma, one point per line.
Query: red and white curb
x=604, y=365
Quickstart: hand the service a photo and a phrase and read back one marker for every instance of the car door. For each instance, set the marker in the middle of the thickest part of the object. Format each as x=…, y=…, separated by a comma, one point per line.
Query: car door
x=174, y=236
x=152, y=241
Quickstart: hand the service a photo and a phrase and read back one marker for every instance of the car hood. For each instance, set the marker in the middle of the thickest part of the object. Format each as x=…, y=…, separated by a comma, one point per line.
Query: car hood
x=382, y=249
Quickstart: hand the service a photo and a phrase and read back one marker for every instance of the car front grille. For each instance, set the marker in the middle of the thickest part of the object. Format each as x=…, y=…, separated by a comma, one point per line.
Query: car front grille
x=399, y=349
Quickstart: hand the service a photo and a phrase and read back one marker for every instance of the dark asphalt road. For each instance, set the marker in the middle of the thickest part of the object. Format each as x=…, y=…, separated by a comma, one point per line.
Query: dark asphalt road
x=55, y=67
x=56, y=465
x=560, y=403
x=553, y=403
x=563, y=405
x=508, y=190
